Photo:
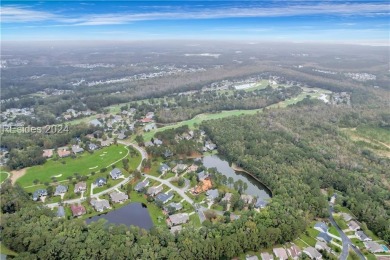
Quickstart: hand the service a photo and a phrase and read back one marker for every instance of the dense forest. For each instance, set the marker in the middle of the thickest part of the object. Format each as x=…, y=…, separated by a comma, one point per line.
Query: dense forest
x=298, y=151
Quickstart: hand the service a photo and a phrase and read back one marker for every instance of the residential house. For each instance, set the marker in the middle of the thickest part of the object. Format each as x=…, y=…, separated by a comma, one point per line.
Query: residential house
x=320, y=245
x=294, y=252
x=92, y=147
x=157, y=142
x=60, y=212
x=60, y=189
x=62, y=152
x=163, y=168
x=118, y=197
x=77, y=210
x=153, y=191
x=333, y=198
x=176, y=229
x=150, y=127
x=100, y=205
x=100, y=182
x=39, y=193
x=115, y=173
x=173, y=205
x=106, y=143
x=178, y=219
x=144, y=121
x=149, y=115
x=179, y=168
x=374, y=247
x=77, y=149
x=353, y=225
x=212, y=194
x=202, y=175
x=164, y=197
x=312, y=253
x=192, y=168
x=96, y=123
x=251, y=257
x=149, y=144
x=47, y=153
x=346, y=217
x=247, y=198
x=280, y=253
x=210, y=146
x=267, y=256
x=324, y=237
x=362, y=236
x=260, y=203
x=122, y=136
x=80, y=186
x=227, y=197
x=321, y=226
x=167, y=154
x=140, y=185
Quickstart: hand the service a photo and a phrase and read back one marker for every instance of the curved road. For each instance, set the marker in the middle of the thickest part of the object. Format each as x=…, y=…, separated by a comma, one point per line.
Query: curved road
x=347, y=243
x=144, y=155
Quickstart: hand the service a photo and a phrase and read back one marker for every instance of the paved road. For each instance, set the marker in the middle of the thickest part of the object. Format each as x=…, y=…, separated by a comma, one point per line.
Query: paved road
x=144, y=155
x=173, y=187
x=347, y=243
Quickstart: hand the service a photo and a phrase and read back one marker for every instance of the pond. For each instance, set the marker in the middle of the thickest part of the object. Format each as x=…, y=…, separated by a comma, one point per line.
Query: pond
x=135, y=214
x=255, y=188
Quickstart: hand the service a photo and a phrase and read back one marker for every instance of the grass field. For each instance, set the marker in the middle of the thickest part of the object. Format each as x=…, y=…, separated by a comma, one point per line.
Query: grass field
x=83, y=164
x=6, y=251
x=3, y=176
x=376, y=133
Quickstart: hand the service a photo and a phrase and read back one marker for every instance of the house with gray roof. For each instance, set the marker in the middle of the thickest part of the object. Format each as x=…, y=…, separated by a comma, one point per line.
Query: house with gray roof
x=176, y=229
x=294, y=252
x=179, y=168
x=251, y=257
x=115, y=173
x=77, y=149
x=362, y=236
x=320, y=245
x=140, y=185
x=122, y=136
x=167, y=154
x=157, y=142
x=212, y=194
x=266, y=256
x=324, y=237
x=164, y=197
x=260, y=203
x=374, y=247
x=149, y=144
x=173, y=205
x=280, y=253
x=92, y=147
x=321, y=226
x=202, y=175
x=163, y=168
x=118, y=197
x=312, y=253
x=39, y=193
x=153, y=191
x=100, y=205
x=96, y=123
x=100, y=182
x=150, y=127
x=346, y=216
x=60, y=212
x=353, y=225
x=60, y=189
x=177, y=219
x=80, y=186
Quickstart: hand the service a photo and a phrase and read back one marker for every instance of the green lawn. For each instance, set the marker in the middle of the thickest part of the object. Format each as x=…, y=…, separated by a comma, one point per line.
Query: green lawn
x=309, y=240
x=300, y=243
x=3, y=176
x=6, y=251
x=340, y=222
x=333, y=231
x=377, y=133
x=194, y=220
x=83, y=164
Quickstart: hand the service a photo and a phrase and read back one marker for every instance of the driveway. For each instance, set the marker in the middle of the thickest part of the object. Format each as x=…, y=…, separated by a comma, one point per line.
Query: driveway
x=347, y=243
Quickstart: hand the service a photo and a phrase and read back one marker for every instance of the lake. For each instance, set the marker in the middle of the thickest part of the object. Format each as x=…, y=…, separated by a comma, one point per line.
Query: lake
x=135, y=214
x=255, y=188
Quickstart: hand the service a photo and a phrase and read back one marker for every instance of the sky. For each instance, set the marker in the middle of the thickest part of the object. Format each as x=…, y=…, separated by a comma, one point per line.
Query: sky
x=357, y=22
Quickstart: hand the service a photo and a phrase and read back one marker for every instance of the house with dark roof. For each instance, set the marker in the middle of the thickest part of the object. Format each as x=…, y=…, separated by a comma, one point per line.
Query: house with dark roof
x=100, y=205
x=39, y=193
x=60, y=189
x=60, y=212
x=140, y=185
x=164, y=197
x=324, y=237
x=260, y=203
x=118, y=197
x=312, y=253
x=163, y=168
x=174, y=206
x=100, y=181
x=212, y=194
x=177, y=219
x=362, y=236
x=115, y=173
x=80, y=186
x=153, y=191
x=321, y=226
x=77, y=210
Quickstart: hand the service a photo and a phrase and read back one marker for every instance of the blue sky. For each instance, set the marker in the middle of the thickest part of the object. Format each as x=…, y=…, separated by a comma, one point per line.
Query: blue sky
x=360, y=22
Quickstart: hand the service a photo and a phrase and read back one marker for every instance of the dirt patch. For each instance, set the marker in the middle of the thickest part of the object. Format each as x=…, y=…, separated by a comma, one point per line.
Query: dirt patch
x=17, y=174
